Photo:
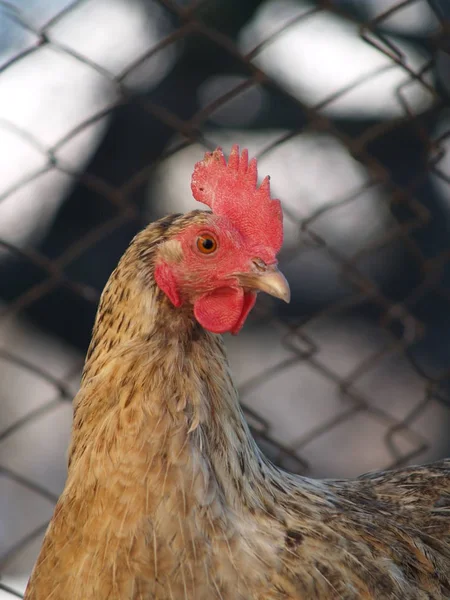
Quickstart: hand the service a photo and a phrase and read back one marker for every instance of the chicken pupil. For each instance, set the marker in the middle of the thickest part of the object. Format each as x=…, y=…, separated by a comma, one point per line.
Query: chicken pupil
x=207, y=243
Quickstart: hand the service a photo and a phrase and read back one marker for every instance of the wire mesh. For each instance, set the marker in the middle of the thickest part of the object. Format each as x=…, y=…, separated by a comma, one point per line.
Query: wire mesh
x=403, y=153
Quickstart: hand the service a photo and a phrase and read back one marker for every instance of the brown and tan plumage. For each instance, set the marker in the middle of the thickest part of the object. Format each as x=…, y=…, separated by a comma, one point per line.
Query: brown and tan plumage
x=167, y=496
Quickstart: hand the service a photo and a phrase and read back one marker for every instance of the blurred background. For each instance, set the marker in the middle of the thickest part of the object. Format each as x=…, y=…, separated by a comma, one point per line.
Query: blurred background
x=105, y=106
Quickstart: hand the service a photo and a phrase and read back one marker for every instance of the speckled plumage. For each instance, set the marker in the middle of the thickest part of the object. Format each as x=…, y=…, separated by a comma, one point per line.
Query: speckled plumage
x=168, y=497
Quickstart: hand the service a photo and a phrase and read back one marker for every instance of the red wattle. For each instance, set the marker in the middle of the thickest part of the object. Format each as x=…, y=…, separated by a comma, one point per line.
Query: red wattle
x=224, y=309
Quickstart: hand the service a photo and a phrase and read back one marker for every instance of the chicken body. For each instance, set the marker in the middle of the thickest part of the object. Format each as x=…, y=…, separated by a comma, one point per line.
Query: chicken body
x=168, y=497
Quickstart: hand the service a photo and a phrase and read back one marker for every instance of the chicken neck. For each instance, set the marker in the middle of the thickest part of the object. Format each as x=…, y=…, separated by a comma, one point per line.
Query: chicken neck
x=160, y=450
x=153, y=369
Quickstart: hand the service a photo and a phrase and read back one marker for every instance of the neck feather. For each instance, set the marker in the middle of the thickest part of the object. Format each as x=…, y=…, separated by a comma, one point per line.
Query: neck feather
x=156, y=362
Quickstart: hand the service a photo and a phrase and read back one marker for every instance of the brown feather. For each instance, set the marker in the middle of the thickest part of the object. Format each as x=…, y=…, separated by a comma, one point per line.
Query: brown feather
x=168, y=497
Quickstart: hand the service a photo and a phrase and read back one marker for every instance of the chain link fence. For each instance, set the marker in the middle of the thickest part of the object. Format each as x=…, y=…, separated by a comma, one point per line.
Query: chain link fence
x=103, y=111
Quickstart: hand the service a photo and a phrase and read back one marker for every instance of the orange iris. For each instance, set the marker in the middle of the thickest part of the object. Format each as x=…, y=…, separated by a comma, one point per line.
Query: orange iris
x=206, y=244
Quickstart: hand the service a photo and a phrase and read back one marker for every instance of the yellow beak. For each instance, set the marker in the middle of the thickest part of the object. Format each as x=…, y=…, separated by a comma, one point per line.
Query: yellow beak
x=269, y=280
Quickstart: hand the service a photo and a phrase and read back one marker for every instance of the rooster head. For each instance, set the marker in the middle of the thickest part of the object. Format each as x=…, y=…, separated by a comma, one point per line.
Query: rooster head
x=220, y=260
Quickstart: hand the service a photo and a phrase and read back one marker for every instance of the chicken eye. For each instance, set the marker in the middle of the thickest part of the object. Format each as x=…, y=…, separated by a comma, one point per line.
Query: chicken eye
x=206, y=244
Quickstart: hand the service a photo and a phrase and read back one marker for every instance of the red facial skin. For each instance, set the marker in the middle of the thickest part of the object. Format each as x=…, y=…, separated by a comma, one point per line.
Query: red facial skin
x=247, y=225
x=209, y=281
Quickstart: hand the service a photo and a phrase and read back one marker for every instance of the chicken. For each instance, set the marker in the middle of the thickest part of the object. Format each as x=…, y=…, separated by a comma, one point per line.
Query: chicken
x=167, y=495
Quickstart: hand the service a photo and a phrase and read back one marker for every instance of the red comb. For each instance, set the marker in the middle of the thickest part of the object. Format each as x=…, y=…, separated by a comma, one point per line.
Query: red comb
x=231, y=190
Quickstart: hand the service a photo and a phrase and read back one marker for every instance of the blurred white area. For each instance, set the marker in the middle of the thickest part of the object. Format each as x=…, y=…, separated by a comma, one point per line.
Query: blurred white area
x=128, y=30
x=14, y=38
x=65, y=93
x=39, y=12
x=48, y=93
x=18, y=584
x=37, y=450
x=414, y=18
x=323, y=54
x=241, y=109
x=22, y=390
x=300, y=398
